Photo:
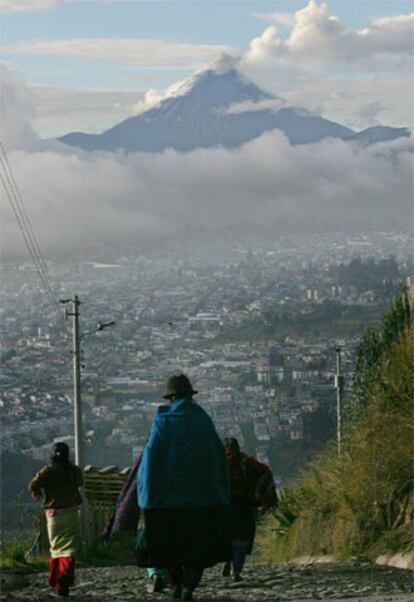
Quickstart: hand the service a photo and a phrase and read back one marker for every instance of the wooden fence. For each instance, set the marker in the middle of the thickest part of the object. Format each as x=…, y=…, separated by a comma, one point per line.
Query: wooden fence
x=101, y=489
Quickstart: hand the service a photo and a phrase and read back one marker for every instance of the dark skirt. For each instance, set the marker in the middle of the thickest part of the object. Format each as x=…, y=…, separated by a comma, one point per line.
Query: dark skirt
x=243, y=521
x=186, y=537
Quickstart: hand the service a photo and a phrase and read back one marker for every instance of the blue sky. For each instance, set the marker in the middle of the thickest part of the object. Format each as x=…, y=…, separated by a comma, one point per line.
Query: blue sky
x=38, y=44
x=231, y=22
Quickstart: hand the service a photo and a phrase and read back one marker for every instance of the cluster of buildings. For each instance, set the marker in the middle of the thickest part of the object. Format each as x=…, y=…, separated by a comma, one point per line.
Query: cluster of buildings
x=255, y=327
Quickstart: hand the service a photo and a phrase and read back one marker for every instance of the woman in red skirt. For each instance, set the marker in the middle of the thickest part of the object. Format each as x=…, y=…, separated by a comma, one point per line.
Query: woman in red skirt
x=59, y=483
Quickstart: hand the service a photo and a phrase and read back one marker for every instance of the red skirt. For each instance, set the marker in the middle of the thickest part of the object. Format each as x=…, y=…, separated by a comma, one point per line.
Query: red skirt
x=62, y=571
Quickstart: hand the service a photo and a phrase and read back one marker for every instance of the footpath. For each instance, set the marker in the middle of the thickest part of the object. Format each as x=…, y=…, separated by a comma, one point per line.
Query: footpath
x=350, y=581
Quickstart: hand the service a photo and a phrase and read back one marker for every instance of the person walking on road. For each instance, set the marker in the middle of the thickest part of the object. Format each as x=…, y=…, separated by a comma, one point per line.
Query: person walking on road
x=59, y=483
x=252, y=491
x=183, y=490
x=125, y=518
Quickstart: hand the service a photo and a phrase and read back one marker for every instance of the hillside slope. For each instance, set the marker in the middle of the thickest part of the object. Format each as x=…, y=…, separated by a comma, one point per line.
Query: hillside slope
x=362, y=502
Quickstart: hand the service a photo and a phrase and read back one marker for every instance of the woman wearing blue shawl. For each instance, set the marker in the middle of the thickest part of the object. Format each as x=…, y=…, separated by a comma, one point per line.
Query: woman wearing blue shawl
x=183, y=489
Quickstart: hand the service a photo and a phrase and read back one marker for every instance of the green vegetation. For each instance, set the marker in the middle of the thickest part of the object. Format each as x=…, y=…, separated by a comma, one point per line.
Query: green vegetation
x=13, y=555
x=327, y=319
x=380, y=276
x=361, y=503
x=14, y=548
x=372, y=353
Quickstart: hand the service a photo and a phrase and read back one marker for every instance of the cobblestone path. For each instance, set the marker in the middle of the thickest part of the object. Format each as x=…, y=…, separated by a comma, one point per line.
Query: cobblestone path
x=349, y=581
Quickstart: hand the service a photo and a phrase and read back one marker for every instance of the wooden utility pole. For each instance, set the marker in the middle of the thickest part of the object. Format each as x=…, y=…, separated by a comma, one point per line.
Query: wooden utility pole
x=339, y=391
x=77, y=404
x=77, y=395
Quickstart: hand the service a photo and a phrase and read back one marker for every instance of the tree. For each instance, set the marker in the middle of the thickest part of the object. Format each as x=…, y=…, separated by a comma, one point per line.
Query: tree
x=372, y=350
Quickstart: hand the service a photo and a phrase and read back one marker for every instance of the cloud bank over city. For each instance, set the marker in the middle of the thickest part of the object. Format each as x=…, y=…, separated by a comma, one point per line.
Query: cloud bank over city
x=77, y=200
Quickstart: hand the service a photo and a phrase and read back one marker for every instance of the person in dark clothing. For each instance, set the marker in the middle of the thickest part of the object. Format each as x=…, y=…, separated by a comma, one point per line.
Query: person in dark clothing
x=252, y=487
x=59, y=483
x=183, y=489
x=126, y=519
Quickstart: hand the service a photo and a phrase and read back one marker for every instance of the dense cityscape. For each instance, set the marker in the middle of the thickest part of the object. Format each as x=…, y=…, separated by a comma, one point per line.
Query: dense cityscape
x=255, y=326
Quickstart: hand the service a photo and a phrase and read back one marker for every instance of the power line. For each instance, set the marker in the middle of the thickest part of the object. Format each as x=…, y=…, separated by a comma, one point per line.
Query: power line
x=26, y=236
x=23, y=213
x=16, y=201
x=21, y=226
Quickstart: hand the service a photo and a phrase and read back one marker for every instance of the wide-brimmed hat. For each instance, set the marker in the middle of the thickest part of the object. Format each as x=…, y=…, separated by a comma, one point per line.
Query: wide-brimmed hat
x=179, y=386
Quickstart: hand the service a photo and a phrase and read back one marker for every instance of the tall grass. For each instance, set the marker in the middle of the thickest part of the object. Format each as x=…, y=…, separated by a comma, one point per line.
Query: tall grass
x=13, y=555
x=361, y=503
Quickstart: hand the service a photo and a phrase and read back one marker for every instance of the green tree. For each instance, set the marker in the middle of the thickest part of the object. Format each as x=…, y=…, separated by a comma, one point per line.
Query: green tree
x=374, y=346
x=396, y=320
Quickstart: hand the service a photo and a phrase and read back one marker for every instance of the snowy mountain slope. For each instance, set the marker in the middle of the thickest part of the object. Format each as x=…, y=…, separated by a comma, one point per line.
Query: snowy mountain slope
x=197, y=115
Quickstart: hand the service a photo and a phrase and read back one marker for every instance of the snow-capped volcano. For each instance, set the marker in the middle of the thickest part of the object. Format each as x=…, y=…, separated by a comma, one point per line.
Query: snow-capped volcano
x=199, y=113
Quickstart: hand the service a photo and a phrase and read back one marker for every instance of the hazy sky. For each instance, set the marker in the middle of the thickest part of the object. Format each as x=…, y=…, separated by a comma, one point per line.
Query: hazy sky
x=89, y=63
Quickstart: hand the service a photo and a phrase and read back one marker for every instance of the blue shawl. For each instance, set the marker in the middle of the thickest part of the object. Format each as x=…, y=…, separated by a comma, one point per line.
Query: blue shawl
x=183, y=464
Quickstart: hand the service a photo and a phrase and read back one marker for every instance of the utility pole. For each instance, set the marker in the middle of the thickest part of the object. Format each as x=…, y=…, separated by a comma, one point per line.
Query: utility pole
x=77, y=365
x=339, y=390
x=77, y=396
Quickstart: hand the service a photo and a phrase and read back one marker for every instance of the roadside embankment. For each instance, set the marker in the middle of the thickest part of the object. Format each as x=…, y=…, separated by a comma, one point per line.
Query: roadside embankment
x=399, y=561
x=361, y=503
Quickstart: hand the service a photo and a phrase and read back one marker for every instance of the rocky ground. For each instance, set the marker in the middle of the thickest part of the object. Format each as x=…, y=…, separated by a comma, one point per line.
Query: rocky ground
x=346, y=582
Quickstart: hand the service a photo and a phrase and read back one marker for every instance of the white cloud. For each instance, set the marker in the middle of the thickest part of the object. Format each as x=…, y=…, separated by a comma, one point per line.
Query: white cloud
x=60, y=110
x=323, y=39
x=265, y=47
x=355, y=103
x=280, y=18
x=79, y=199
x=133, y=51
x=13, y=6
x=358, y=77
x=17, y=109
x=82, y=199
x=154, y=97
x=271, y=104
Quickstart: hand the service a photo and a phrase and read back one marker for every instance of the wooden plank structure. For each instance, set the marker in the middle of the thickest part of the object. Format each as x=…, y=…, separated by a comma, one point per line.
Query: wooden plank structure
x=103, y=485
x=101, y=489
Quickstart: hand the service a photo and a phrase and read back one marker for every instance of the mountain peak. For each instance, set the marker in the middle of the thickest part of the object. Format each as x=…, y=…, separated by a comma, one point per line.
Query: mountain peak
x=212, y=89
x=196, y=113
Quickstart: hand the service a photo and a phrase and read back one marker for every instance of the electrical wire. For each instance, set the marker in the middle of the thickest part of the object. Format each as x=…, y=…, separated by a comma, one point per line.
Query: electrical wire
x=23, y=213
x=9, y=172
x=16, y=201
